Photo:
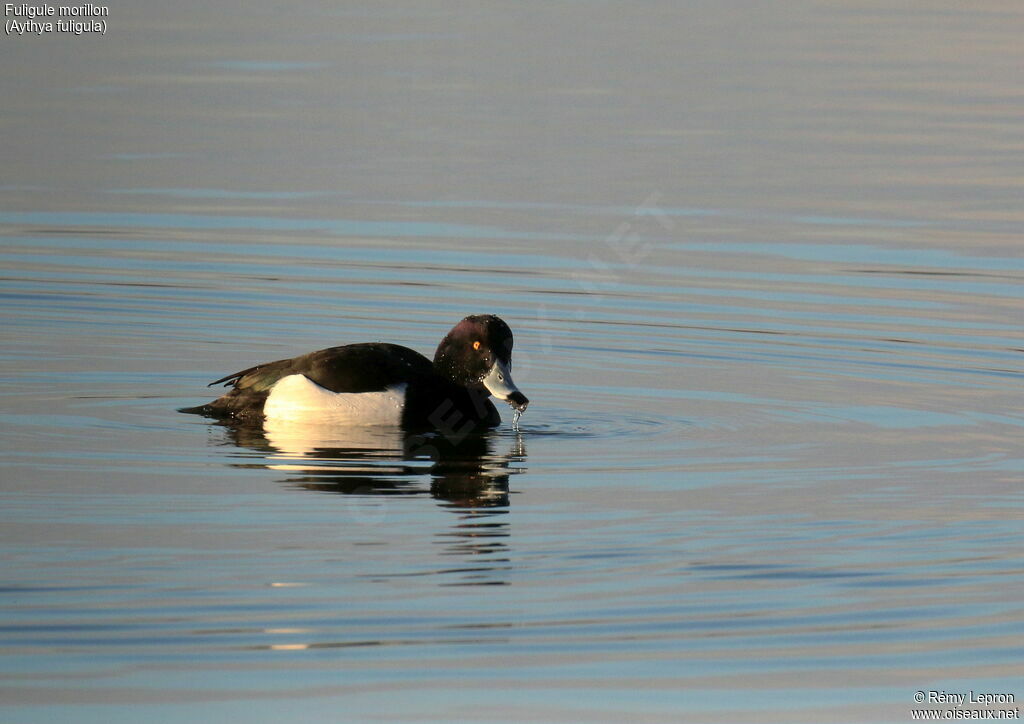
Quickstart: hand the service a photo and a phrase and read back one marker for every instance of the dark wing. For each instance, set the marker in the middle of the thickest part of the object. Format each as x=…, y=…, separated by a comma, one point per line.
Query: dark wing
x=363, y=367
x=367, y=367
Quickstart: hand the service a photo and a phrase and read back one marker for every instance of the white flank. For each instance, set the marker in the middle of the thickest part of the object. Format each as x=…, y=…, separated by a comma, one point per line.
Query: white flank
x=296, y=397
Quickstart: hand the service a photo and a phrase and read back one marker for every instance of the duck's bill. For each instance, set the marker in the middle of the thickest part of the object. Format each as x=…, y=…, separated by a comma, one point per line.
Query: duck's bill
x=499, y=383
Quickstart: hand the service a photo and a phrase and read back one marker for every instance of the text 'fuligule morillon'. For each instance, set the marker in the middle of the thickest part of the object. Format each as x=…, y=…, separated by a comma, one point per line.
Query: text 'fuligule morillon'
x=24, y=10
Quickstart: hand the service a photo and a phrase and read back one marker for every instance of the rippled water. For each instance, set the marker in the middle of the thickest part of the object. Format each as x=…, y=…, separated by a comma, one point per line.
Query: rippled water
x=763, y=267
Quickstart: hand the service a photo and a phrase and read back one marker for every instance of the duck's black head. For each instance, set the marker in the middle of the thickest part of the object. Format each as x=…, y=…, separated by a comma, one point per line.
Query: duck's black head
x=478, y=352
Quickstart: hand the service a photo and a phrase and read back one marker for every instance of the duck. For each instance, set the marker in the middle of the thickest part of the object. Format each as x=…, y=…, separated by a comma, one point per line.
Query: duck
x=378, y=383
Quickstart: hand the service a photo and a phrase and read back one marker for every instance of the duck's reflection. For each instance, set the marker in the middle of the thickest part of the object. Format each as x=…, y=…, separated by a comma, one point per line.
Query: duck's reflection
x=466, y=474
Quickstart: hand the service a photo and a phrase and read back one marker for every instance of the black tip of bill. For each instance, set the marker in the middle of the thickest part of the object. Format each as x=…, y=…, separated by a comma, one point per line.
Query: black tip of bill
x=517, y=400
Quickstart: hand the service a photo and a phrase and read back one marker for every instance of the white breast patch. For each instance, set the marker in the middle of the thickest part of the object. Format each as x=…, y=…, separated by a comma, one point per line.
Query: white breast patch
x=296, y=397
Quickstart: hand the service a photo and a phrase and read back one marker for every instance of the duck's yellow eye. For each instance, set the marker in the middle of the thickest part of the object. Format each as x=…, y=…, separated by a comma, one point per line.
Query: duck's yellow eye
x=476, y=345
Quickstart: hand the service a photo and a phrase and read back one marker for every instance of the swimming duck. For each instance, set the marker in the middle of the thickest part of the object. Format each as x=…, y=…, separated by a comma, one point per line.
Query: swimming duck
x=377, y=383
